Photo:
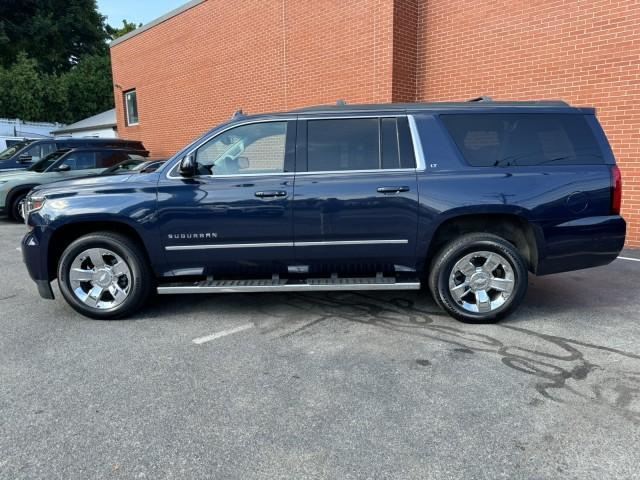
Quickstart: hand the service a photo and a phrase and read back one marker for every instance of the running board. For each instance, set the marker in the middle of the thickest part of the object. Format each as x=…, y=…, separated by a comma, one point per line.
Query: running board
x=284, y=285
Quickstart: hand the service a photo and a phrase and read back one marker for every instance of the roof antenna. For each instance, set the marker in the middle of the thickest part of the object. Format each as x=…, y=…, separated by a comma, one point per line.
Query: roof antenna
x=237, y=114
x=482, y=98
x=341, y=102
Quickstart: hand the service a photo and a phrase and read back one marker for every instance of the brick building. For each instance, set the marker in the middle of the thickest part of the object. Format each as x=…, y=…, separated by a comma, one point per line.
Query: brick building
x=189, y=70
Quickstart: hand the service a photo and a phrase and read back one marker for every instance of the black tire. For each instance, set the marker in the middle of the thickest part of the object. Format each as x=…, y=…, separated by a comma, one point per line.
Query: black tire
x=142, y=279
x=14, y=212
x=454, y=251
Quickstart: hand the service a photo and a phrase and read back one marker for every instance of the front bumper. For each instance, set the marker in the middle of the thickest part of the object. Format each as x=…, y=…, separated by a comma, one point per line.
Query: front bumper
x=35, y=258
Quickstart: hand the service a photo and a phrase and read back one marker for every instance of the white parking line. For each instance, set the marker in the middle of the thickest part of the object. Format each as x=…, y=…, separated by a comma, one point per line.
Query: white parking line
x=223, y=333
x=629, y=258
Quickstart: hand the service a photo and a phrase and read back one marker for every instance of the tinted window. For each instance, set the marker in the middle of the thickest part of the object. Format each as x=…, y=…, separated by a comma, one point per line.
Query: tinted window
x=487, y=140
x=108, y=159
x=390, y=143
x=349, y=144
x=80, y=160
x=48, y=148
x=248, y=149
x=37, y=151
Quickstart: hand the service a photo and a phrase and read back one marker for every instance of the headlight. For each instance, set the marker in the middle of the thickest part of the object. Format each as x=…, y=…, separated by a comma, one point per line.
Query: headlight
x=34, y=203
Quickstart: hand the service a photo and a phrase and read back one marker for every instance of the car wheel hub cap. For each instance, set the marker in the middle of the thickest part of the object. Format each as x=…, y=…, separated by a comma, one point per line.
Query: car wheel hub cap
x=100, y=278
x=103, y=277
x=481, y=282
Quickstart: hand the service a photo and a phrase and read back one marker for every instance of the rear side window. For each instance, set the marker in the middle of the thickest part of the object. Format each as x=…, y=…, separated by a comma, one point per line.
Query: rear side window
x=358, y=144
x=108, y=159
x=492, y=140
x=80, y=160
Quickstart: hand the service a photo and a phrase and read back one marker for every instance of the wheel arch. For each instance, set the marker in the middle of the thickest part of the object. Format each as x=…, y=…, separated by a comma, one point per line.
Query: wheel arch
x=17, y=190
x=514, y=228
x=64, y=235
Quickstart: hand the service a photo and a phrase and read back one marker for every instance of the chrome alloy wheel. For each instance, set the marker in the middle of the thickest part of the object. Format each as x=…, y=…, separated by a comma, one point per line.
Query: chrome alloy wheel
x=481, y=282
x=100, y=278
x=21, y=209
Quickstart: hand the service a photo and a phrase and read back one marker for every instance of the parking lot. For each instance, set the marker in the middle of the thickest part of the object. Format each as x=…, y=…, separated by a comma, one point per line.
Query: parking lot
x=337, y=386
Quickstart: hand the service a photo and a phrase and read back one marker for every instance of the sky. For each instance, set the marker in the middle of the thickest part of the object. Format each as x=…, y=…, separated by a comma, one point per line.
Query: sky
x=137, y=11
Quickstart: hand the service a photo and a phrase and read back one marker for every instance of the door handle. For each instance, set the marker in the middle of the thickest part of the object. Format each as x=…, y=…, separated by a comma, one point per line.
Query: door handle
x=271, y=193
x=393, y=189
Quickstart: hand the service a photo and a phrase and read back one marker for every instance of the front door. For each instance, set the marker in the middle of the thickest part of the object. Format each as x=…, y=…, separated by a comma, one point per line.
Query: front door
x=356, y=198
x=235, y=216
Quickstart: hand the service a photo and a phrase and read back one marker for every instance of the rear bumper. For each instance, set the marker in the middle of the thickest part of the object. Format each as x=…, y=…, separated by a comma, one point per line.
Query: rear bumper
x=582, y=243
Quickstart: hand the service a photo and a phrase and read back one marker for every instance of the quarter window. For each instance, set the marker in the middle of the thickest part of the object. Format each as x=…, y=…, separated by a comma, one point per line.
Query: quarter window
x=492, y=140
x=257, y=148
x=131, y=107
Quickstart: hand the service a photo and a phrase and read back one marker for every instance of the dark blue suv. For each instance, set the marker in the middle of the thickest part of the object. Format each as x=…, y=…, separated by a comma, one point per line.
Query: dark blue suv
x=466, y=198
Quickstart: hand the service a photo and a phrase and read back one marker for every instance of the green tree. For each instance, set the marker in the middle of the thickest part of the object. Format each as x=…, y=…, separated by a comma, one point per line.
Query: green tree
x=22, y=90
x=54, y=59
x=115, y=32
x=87, y=87
x=55, y=33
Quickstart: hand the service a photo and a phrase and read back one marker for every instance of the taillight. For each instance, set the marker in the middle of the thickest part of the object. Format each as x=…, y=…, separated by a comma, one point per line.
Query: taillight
x=616, y=190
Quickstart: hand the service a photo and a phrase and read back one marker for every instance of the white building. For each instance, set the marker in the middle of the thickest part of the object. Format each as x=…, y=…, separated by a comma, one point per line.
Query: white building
x=102, y=125
x=13, y=130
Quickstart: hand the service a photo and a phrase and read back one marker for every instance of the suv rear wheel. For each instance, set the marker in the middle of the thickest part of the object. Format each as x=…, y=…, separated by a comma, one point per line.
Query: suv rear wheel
x=478, y=278
x=104, y=276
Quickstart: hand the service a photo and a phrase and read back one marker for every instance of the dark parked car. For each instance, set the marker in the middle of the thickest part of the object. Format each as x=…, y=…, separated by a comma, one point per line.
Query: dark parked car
x=134, y=164
x=467, y=198
x=24, y=154
x=60, y=165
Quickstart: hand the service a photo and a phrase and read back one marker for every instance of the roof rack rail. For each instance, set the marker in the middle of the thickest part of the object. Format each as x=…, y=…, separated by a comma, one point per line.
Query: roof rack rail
x=482, y=98
x=238, y=114
x=341, y=102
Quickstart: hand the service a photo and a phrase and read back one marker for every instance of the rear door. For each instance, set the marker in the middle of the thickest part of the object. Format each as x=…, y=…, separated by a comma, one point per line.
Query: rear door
x=356, y=198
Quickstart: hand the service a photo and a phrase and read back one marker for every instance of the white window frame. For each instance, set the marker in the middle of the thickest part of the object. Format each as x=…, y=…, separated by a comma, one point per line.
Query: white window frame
x=126, y=107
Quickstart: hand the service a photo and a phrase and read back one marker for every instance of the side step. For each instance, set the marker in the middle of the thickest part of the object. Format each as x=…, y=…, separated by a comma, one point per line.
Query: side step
x=283, y=285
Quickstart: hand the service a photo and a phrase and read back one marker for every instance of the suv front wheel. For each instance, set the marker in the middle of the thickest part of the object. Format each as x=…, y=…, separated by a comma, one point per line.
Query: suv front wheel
x=478, y=278
x=104, y=276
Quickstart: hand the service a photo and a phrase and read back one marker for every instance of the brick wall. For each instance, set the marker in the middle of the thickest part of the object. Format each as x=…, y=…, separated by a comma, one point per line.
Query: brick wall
x=584, y=52
x=194, y=70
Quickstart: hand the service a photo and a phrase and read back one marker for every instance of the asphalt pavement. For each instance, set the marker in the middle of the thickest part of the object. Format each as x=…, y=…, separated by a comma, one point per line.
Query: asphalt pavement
x=322, y=386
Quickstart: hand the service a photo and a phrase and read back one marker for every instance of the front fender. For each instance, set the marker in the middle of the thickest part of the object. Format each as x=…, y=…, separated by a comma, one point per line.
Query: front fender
x=129, y=209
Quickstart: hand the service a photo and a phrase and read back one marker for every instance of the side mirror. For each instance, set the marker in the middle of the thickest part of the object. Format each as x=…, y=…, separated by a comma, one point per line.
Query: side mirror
x=63, y=168
x=24, y=158
x=188, y=166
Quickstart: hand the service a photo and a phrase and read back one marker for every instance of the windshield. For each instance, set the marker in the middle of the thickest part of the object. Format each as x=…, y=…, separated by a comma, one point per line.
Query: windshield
x=47, y=161
x=11, y=151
